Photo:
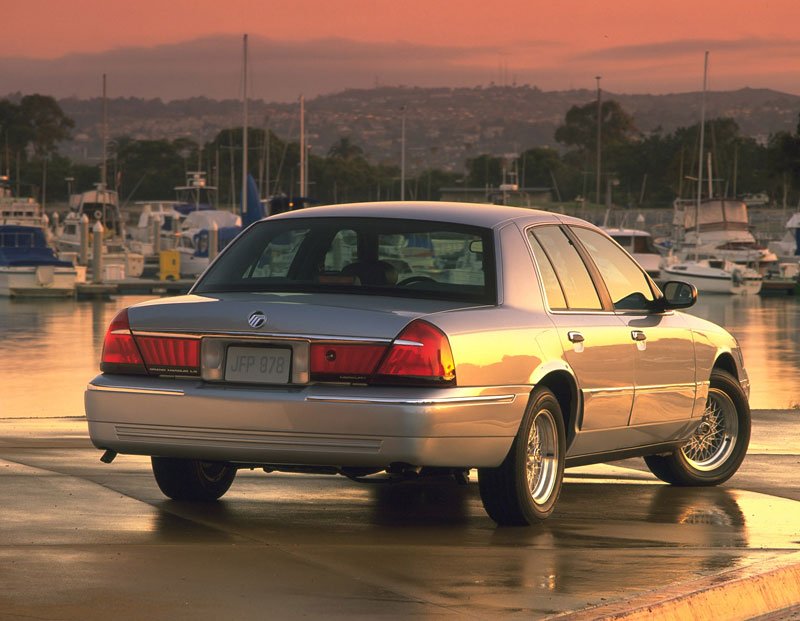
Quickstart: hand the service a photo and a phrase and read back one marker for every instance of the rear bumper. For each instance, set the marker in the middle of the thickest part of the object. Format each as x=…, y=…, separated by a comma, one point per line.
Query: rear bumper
x=307, y=425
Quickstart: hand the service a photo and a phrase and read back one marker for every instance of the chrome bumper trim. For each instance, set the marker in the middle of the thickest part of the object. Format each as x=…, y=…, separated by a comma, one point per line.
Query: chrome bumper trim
x=401, y=401
x=170, y=392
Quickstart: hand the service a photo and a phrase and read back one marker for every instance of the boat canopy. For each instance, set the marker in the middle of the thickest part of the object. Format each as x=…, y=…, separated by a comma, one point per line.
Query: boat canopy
x=717, y=215
x=26, y=245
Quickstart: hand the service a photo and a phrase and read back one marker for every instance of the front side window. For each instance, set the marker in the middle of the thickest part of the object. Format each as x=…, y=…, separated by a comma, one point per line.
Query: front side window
x=625, y=280
x=572, y=274
x=406, y=258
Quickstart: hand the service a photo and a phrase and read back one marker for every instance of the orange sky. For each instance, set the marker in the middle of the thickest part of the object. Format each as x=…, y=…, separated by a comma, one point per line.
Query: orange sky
x=629, y=42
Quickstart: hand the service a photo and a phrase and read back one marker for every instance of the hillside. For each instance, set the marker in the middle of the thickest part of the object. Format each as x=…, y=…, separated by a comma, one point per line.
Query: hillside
x=444, y=125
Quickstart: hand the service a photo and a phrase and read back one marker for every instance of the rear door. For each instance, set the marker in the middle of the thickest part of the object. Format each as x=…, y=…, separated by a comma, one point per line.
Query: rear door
x=595, y=340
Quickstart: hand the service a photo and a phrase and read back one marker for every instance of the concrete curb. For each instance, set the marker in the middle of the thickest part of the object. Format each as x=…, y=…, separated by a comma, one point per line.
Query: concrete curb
x=743, y=593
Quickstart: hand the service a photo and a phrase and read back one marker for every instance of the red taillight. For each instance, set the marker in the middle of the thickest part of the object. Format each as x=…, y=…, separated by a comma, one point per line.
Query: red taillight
x=120, y=354
x=170, y=356
x=420, y=353
x=337, y=361
x=123, y=353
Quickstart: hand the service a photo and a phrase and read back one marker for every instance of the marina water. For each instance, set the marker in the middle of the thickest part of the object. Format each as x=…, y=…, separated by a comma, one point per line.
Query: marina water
x=49, y=350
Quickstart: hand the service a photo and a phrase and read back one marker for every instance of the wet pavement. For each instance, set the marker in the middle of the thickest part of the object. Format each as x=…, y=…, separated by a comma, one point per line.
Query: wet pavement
x=83, y=540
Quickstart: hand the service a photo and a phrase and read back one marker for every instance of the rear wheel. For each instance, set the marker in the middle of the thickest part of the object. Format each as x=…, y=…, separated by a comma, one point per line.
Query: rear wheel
x=525, y=487
x=716, y=450
x=192, y=479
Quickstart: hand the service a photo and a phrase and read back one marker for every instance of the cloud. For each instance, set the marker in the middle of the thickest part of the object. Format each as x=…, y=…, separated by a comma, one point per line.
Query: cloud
x=682, y=48
x=279, y=70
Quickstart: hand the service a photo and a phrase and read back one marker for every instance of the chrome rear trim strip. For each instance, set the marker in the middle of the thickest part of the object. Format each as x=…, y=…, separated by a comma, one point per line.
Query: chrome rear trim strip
x=401, y=401
x=265, y=335
x=170, y=392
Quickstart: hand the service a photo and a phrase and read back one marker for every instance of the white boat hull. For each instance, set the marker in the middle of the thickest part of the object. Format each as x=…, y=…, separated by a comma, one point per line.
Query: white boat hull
x=37, y=281
x=722, y=282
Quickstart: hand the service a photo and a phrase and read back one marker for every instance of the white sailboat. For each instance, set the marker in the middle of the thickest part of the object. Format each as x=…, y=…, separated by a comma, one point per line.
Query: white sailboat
x=100, y=205
x=710, y=274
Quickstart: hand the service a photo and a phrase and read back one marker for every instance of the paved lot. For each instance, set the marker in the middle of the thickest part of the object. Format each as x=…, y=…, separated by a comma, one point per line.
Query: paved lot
x=83, y=540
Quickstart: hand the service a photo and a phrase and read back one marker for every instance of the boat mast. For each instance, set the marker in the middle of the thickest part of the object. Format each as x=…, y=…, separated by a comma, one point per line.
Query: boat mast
x=700, y=157
x=103, y=168
x=303, y=190
x=244, y=131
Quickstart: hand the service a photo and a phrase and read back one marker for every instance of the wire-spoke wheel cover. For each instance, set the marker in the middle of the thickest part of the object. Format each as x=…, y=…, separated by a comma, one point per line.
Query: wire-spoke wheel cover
x=541, y=462
x=715, y=438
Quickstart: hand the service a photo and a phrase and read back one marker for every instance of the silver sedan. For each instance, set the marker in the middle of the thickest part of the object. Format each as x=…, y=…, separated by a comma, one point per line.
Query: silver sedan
x=399, y=339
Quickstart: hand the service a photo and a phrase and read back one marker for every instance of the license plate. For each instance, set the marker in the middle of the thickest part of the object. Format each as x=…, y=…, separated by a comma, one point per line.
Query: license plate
x=258, y=365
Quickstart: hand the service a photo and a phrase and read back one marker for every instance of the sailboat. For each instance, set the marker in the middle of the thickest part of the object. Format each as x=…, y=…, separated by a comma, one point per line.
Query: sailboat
x=100, y=204
x=712, y=273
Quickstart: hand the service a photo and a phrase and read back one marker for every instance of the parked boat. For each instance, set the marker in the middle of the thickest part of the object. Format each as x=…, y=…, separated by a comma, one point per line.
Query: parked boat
x=787, y=247
x=716, y=276
x=640, y=246
x=719, y=227
x=100, y=205
x=194, y=238
x=29, y=267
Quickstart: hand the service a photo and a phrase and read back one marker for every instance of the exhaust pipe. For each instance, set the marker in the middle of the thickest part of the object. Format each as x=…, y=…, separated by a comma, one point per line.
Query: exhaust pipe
x=108, y=456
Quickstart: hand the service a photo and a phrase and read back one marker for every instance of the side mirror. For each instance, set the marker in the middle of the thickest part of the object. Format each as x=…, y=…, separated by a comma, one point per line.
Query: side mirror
x=678, y=294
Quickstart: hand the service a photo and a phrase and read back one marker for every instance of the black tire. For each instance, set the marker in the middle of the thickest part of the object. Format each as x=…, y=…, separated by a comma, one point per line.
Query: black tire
x=524, y=489
x=717, y=449
x=192, y=479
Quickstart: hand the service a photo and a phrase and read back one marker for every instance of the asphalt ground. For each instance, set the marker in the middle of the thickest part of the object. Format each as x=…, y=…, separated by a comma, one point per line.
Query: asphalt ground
x=80, y=539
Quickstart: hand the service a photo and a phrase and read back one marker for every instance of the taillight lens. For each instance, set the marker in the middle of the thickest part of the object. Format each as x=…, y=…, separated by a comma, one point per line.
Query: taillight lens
x=420, y=354
x=170, y=356
x=336, y=361
x=141, y=355
x=120, y=353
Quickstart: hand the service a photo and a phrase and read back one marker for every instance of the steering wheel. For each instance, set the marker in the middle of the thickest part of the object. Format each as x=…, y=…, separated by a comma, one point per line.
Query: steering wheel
x=414, y=279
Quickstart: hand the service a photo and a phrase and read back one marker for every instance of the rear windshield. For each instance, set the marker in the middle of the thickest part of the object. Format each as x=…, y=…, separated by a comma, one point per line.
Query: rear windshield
x=405, y=258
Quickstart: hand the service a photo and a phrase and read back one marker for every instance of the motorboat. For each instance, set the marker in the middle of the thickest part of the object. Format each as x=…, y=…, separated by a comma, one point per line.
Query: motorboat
x=29, y=267
x=719, y=227
x=100, y=205
x=640, y=246
x=194, y=238
x=715, y=276
x=787, y=248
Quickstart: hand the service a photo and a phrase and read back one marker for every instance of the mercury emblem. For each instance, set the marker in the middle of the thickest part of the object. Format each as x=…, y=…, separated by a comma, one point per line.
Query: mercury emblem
x=257, y=319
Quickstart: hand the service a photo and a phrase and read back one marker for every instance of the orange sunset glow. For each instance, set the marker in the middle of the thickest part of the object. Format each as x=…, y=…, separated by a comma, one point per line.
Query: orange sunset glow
x=636, y=46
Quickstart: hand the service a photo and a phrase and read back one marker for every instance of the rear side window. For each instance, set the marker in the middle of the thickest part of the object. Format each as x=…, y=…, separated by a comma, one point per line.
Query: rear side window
x=570, y=271
x=405, y=258
x=625, y=280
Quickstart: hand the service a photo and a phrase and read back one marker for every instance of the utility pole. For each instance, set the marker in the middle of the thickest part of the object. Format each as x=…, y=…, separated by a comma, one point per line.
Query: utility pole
x=599, y=134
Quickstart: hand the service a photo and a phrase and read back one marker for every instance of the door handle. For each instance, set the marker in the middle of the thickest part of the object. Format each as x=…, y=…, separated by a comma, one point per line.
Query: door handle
x=638, y=335
x=575, y=337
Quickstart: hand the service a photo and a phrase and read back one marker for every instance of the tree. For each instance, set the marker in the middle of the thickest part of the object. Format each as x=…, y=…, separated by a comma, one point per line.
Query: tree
x=484, y=171
x=580, y=127
x=345, y=149
x=46, y=121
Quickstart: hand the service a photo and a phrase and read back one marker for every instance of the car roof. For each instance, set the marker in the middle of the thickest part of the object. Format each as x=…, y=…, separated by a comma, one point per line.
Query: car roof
x=476, y=214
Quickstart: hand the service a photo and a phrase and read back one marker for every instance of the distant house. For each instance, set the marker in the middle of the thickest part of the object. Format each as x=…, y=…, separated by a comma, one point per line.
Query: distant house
x=518, y=197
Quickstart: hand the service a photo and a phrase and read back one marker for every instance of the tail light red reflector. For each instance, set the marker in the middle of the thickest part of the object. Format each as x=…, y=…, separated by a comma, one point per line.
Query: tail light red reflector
x=344, y=361
x=168, y=355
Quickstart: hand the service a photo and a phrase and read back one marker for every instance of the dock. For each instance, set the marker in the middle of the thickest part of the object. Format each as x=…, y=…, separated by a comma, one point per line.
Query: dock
x=133, y=286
